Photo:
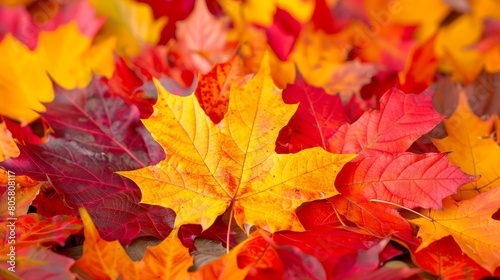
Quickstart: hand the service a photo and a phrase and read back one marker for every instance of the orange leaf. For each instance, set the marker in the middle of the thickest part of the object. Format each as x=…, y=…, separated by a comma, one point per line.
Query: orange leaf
x=168, y=260
x=33, y=229
x=25, y=191
x=470, y=224
x=8, y=147
x=233, y=164
x=102, y=259
x=472, y=149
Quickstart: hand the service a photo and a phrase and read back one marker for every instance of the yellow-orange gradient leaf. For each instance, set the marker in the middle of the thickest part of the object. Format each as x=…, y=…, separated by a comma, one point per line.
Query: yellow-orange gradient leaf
x=130, y=22
x=8, y=147
x=470, y=224
x=71, y=57
x=472, y=149
x=24, y=84
x=233, y=164
x=102, y=259
x=168, y=260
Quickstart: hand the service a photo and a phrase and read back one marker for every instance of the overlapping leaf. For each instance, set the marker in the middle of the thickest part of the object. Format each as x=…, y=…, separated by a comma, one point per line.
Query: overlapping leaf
x=472, y=149
x=210, y=168
x=405, y=179
x=318, y=117
x=401, y=120
x=95, y=135
x=469, y=222
x=22, y=100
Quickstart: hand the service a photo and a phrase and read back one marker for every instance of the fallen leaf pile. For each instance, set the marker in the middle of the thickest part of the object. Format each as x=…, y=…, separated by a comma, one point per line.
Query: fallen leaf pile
x=224, y=139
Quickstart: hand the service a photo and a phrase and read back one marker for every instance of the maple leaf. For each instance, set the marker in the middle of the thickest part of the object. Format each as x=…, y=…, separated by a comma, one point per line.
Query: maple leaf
x=26, y=22
x=283, y=34
x=328, y=245
x=318, y=117
x=8, y=147
x=489, y=45
x=73, y=57
x=367, y=266
x=405, y=179
x=262, y=13
x=26, y=189
x=469, y=222
x=39, y=263
x=33, y=229
x=210, y=168
x=95, y=135
x=130, y=22
x=102, y=259
x=401, y=119
x=202, y=37
x=31, y=259
x=35, y=132
x=421, y=68
x=27, y=69
x=376, y=218
x=218, y=231
x=471, y=149
x=212, y=90
x=446, y=260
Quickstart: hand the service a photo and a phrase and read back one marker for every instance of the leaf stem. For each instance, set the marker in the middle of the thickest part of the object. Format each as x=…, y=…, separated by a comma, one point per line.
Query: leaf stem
x=401, y=206
x=231, y=216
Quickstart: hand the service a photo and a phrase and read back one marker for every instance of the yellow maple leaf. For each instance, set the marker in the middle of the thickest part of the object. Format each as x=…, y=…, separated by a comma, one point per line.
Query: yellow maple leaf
x=233, y=164
x=471, y=149
x=24, y=84
x=470, y=224
x=71, y=57
x=130, y=22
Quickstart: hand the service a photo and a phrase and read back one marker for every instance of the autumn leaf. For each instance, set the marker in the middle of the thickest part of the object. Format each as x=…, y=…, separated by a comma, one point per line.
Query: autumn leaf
x=168, y=260
x=283, y=33
x=218, y=232
x=73, y=58
x=327, y=244
x=22, y=100
x=202, y=37
x=99, y=135
x=489, y=45
x=318, y=117
x=8, y=147
x=446, y=260
x=404, y=179
x=469, y=222
x=210, y=168
x=32, y=260
x=130, y=22
x=376, y=218
x=102, y=259
x=261, y=13
x=39, y=263
x=420, y=68
x=212, y=90
x=401, y=119
x=367, y=266
x=33, y=229
x=25, y=190
x=471, y=149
